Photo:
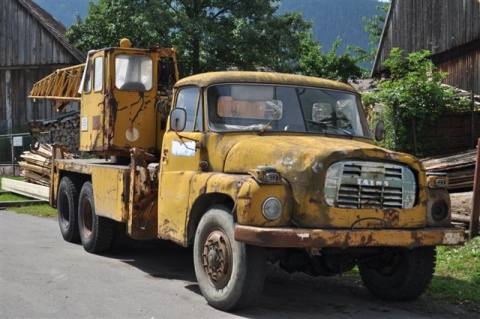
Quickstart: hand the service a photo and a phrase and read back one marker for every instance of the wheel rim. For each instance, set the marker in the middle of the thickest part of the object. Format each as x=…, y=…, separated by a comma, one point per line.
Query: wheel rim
x=87, y=218
x=217, y=258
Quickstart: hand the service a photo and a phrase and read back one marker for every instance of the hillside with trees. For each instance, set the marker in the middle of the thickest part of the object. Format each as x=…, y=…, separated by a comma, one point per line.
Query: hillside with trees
x=334, y=19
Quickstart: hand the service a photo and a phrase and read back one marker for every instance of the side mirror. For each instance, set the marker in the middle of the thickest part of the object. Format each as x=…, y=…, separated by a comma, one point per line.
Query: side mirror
x=178, y=119
x=380, y=131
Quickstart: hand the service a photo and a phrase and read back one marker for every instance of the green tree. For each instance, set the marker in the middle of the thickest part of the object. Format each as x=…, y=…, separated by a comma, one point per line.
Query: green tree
x=413, y=101
x=145, y=22
x=331, y=65
x=215, y=35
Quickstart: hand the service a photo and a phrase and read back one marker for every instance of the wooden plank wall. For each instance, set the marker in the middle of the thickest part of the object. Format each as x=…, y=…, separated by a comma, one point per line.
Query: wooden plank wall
x=463, y=69
x=435, y=25
x=22, y=81
x=453, y=133
x=28, y=53
x=25, y=42
x=450, y=29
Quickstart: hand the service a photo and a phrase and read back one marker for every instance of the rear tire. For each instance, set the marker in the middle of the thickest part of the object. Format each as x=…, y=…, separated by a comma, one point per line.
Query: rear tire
x=96, y=232
x=67, y=207
x=230, y=274
x=399, y=275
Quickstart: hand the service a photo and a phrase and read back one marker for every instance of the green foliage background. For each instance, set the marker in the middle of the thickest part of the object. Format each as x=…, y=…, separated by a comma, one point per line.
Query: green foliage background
x=216, y=35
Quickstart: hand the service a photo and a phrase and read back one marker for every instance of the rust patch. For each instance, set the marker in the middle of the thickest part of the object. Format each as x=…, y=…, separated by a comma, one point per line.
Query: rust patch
x=392, y=216
x=96, y=122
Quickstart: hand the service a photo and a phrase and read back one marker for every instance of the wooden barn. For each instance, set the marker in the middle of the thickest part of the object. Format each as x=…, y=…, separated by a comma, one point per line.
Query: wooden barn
x=450, y=30
x=32, y=45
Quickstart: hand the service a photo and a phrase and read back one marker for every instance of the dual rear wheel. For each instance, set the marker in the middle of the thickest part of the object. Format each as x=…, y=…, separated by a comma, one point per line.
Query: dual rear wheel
x=77, y=218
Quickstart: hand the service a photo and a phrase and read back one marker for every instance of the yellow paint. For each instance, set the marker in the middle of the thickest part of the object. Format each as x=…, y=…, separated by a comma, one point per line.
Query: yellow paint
x=250, y=200
x=108, y=183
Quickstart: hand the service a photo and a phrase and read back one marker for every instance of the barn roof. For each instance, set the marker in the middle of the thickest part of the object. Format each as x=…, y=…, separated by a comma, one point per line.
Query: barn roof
x=53, y=26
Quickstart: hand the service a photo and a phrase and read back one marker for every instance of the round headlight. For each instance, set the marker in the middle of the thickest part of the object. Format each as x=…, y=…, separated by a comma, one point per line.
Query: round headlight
x=271, y=208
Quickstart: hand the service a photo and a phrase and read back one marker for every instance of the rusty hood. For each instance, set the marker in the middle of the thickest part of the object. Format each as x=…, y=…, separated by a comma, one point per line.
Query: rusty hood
x=303, y=161
x=299, y=158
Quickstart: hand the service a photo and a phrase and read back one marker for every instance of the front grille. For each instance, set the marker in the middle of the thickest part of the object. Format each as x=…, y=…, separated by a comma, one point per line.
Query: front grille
x=361, y=184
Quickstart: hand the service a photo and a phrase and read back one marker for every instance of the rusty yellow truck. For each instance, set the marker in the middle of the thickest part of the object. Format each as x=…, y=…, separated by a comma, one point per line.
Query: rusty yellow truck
x=248, y=168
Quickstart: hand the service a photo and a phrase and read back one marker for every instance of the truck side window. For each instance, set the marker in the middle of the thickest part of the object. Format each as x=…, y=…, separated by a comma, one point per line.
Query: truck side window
x=188, y=99
x=98, y=74
x=199, y=121
x=87, y=84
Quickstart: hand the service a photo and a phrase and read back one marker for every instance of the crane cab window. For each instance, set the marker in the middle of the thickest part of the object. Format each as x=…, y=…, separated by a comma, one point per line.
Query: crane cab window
x=98, y=74
x=133, y=72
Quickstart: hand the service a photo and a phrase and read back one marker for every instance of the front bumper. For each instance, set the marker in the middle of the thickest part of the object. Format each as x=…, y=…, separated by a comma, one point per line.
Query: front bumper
x=344, y=238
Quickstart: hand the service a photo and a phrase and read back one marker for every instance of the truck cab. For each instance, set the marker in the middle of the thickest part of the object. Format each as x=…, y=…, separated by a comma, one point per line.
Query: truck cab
x=283, y=167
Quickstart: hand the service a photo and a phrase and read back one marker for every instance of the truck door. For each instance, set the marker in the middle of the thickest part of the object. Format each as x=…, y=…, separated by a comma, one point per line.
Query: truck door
x=93, y=91
x=179, y=163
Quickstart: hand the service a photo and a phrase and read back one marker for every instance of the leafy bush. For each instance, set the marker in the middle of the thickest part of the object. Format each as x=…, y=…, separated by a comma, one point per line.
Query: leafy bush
x=413, y=101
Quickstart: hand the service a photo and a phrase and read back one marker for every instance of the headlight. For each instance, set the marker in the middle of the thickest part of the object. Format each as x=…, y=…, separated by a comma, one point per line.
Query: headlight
x=271, y=208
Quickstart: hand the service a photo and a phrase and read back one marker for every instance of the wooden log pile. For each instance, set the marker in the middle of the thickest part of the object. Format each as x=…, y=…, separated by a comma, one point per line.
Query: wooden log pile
x=460, y=169
x=36, y=164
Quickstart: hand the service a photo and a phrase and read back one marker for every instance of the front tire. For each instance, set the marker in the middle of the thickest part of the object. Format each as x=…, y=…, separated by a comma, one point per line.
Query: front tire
x=230, y=274
x=96, y=232
x=67, y=206
x=399, y=275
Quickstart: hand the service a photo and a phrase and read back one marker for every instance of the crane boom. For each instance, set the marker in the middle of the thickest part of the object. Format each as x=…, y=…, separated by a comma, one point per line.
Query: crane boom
x=61, y=86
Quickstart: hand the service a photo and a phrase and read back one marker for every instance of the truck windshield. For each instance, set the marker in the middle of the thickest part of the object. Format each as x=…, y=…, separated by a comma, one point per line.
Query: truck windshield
x=250, y=107
x=133, y=72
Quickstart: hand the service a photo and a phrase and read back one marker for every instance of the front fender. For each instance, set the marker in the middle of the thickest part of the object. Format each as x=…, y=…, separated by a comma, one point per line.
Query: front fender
x=251, y=197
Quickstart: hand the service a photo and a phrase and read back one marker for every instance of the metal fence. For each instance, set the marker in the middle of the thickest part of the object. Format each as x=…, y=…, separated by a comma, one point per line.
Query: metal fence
x=11, y=147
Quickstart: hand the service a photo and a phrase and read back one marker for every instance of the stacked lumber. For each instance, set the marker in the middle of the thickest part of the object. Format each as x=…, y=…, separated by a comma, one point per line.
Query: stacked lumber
x=36, y=164
x=460, y=169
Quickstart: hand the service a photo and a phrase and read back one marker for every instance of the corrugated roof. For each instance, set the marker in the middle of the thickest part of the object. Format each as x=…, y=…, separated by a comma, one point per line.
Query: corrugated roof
x=53, y=26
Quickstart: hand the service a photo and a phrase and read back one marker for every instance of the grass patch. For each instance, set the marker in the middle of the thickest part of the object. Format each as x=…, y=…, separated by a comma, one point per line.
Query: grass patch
x=7, y=197
x=457, y=275
x=43, y=210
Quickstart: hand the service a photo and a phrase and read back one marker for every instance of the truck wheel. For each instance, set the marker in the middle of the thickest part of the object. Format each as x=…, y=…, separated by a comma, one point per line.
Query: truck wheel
x=67, y=206
x=230, y=274
x=96, y=232
x=400, y=275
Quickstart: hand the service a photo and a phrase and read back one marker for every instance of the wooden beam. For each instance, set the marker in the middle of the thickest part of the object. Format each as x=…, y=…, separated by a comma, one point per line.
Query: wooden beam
x=473, y=231
x=26, y=189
